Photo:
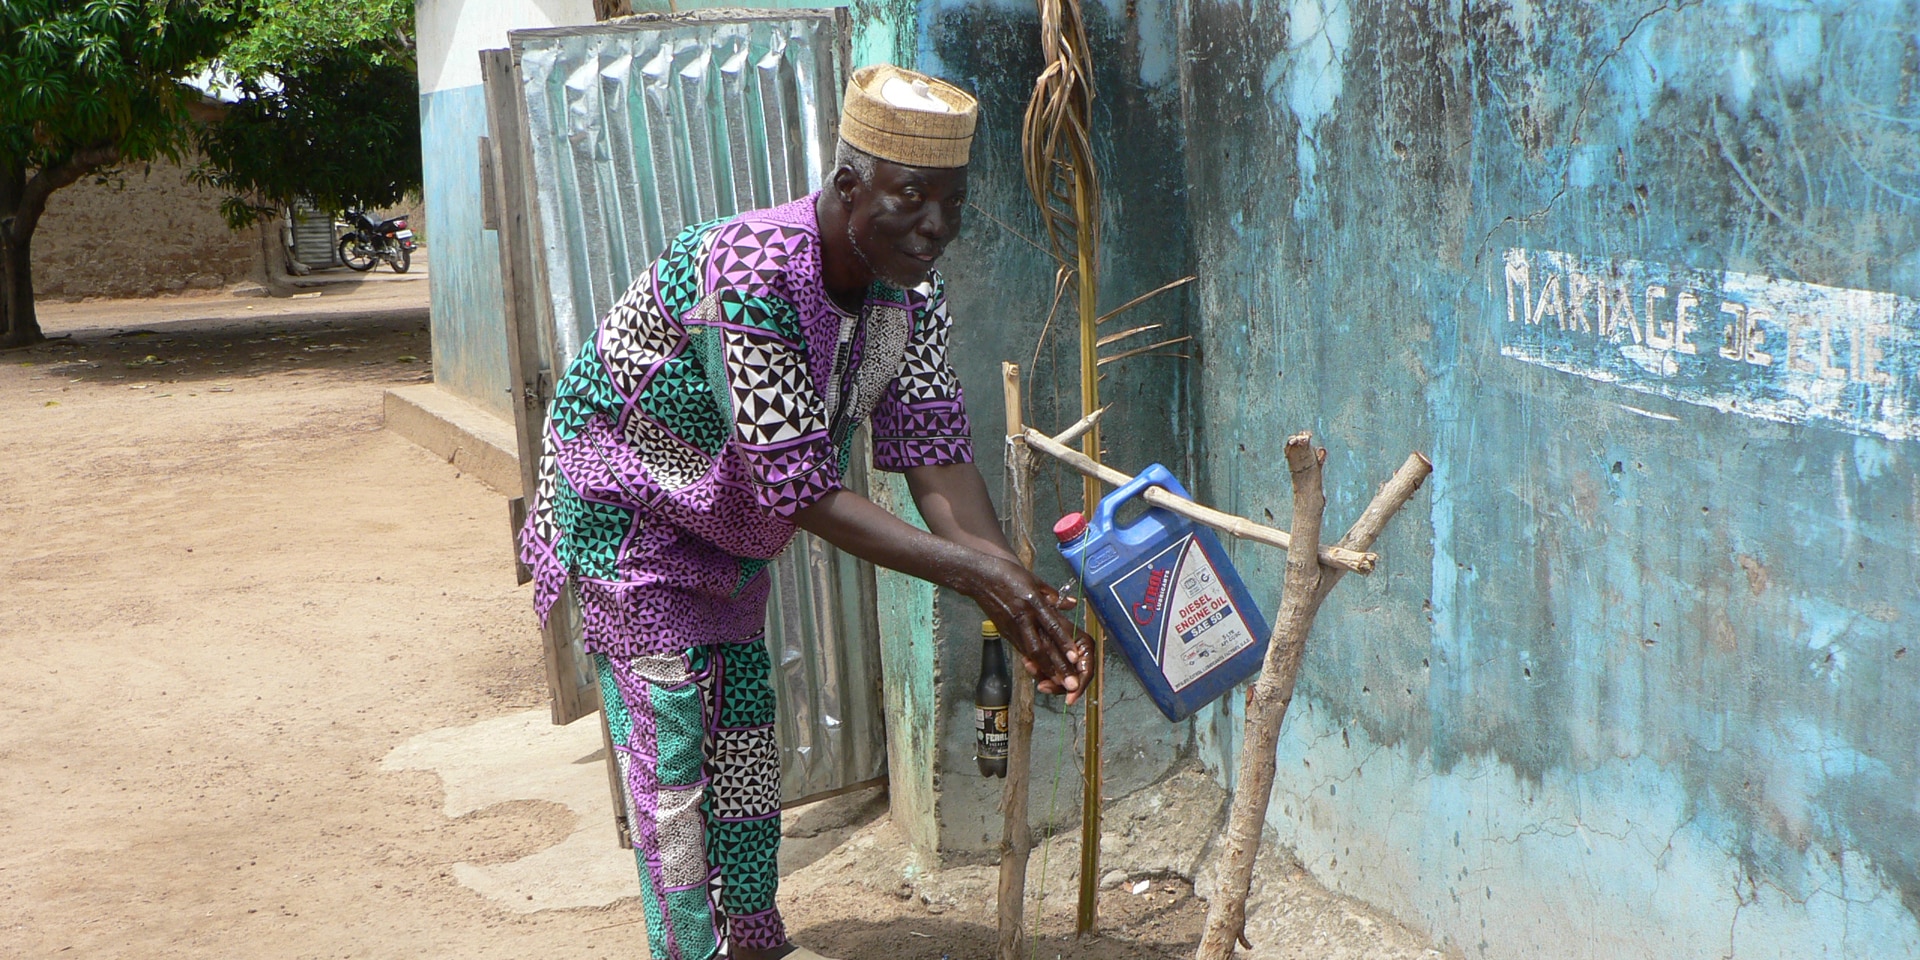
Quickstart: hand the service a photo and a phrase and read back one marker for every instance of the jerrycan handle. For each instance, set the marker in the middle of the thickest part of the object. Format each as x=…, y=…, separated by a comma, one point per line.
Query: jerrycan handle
x=1155, y=475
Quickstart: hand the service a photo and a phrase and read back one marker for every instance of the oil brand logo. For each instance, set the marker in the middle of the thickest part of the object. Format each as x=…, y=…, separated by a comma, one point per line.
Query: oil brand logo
x=1150, y=603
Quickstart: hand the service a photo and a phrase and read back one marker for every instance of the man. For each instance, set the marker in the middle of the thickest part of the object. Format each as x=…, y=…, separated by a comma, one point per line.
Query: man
x=711, y=415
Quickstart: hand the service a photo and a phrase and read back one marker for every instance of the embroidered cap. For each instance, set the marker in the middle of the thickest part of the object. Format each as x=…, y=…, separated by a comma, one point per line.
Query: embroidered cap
x=908, y=118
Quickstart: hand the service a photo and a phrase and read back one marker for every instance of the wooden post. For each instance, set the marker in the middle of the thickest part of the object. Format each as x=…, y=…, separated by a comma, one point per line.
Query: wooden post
x=1307, y=584
x=1016, y=840
x=572, y=680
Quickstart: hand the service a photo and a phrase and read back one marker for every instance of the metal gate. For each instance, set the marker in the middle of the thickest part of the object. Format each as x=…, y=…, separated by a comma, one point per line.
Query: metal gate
x=314, y=238
x=606, y=141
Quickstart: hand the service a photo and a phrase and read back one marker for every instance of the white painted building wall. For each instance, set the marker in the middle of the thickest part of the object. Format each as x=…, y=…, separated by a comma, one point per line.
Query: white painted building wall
x=469, y=337
x=453, y=32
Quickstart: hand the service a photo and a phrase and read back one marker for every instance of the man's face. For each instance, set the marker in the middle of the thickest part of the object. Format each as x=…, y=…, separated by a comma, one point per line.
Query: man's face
x=903, y=219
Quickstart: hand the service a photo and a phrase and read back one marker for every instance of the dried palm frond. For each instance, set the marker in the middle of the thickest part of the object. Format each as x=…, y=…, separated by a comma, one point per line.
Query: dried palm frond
x=1056, y=144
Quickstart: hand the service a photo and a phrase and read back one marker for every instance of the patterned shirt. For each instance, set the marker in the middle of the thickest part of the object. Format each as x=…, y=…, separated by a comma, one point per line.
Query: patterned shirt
x=717, y=398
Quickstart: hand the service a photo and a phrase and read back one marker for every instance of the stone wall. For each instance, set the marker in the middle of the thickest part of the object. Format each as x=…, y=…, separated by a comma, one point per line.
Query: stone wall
x=143, y=230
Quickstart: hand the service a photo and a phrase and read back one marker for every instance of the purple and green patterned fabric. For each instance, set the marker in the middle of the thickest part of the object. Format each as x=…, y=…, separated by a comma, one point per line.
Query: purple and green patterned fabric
x=693, y=740
x=715, y=400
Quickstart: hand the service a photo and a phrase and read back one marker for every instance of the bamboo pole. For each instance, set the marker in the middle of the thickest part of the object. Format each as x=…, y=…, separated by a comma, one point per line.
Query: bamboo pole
x=1056, y=153
x=1016, y=840
x=1339, y=557
x=1307, y=585
x=1094, y=775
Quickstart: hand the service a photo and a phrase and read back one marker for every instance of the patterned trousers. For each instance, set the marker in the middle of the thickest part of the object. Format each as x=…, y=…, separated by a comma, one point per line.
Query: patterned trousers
x=694, y=741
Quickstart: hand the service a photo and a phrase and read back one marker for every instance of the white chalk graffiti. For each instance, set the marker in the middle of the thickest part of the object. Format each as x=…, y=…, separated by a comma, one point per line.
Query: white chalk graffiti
x=1786, y=351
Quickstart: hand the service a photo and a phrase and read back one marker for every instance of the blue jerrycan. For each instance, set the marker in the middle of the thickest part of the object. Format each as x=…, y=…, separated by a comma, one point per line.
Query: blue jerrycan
x=1168, y=595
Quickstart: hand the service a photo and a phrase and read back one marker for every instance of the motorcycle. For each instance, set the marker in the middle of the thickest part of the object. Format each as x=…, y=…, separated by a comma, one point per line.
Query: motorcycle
x=367, y=242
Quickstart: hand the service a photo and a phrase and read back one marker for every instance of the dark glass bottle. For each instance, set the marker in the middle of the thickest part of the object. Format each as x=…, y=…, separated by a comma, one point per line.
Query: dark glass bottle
x=990, y=698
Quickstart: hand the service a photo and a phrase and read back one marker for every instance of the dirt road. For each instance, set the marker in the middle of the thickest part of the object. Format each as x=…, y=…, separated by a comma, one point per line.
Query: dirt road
x=232, y=599
x=230, y=594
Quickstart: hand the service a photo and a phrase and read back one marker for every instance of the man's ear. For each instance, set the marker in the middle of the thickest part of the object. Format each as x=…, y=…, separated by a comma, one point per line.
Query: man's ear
x=845, y=183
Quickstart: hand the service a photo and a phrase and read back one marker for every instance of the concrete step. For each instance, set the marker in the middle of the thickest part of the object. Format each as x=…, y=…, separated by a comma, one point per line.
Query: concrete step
x=475, y=441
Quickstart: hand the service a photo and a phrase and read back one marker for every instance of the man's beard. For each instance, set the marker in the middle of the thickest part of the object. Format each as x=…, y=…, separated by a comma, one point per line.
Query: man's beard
x=904, y=283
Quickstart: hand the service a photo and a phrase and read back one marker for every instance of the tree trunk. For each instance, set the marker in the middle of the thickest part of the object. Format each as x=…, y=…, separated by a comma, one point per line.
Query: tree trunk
x=22, y=201
x=18, y=325
x=271, y=271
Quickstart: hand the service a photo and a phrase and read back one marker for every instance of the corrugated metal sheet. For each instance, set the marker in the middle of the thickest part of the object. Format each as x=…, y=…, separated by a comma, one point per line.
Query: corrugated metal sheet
x=639, y=128
x=314, y=242
x=635, y=129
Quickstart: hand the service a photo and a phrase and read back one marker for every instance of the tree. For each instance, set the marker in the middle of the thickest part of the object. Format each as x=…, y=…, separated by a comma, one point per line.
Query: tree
x=86, y=85
x=329, y=110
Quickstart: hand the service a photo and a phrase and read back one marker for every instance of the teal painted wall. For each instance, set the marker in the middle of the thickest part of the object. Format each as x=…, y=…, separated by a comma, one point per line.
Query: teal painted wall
x=468, y=332
x=1634, y=677
x=912, y=669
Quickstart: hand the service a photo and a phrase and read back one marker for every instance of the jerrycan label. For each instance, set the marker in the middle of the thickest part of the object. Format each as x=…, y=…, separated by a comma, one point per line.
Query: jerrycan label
x=1181, y=612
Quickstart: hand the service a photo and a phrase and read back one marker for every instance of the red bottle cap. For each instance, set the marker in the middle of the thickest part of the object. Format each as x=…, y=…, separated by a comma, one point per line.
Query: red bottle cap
x=1069, y=527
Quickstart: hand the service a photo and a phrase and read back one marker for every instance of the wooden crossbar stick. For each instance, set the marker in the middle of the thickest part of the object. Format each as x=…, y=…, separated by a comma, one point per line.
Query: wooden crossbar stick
x=1343, y=558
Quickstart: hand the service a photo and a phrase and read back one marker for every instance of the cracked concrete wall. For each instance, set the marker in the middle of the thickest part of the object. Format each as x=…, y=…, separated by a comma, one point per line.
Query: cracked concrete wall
x=1643, y=279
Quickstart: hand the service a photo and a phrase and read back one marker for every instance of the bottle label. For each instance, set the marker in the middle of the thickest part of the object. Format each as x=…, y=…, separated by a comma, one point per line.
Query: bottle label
x=990, y=732
x=1182, y=612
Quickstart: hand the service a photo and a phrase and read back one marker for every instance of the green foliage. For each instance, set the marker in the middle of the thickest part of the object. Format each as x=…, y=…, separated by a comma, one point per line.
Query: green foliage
x=342, y=131
x=80, y=74
x=287, y=33
x=330, y=109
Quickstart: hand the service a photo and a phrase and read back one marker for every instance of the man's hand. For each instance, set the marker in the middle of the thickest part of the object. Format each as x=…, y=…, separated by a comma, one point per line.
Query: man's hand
x=953, y=500
x=964, y=551
x=1027, y=611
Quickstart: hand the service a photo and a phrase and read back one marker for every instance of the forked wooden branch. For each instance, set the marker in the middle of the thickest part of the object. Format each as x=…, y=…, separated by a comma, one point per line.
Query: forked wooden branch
x=1306, y=586
x=1393, y=495
x=1344, y=558
x=1227, y=914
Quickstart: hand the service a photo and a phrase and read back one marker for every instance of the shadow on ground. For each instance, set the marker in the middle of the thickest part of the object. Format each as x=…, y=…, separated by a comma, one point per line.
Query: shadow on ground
x=385, y=344
x=938, y=938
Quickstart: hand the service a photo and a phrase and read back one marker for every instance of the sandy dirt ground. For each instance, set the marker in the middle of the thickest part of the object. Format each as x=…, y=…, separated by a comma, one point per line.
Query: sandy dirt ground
x=232, y=598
